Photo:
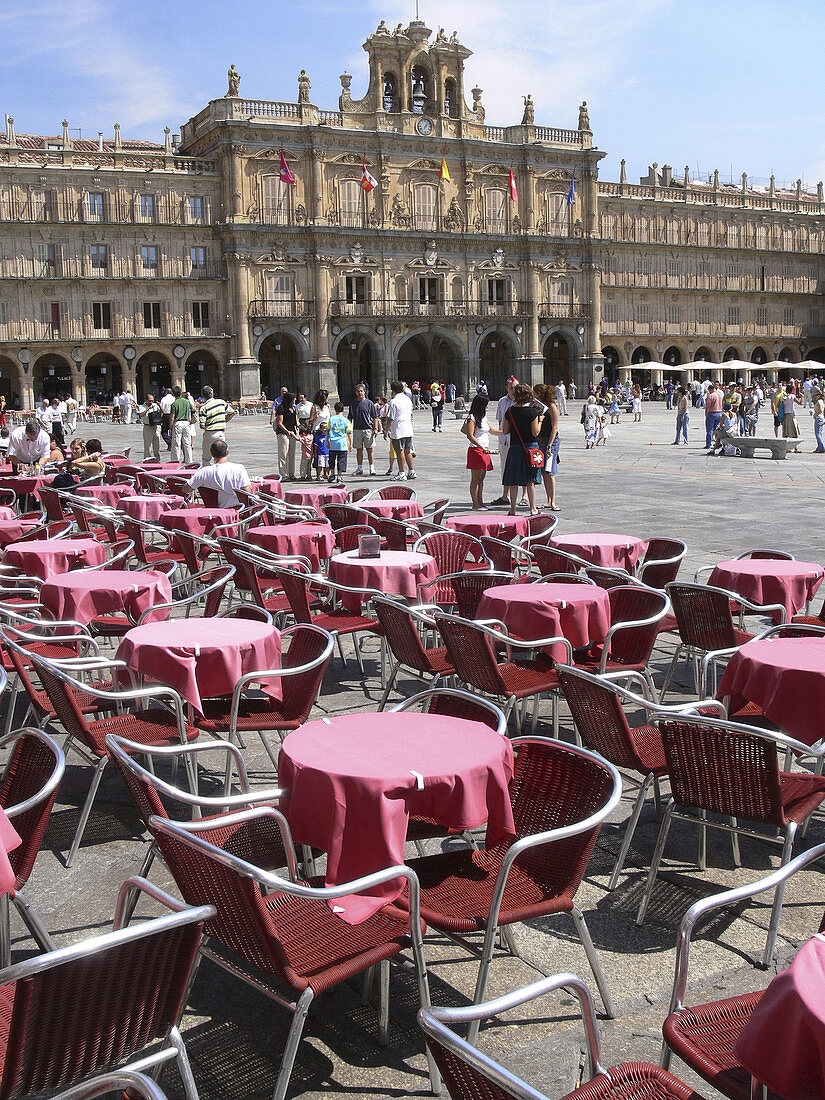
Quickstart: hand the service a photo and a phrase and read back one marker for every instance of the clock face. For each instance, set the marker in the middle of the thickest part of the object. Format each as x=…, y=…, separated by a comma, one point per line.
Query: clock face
x=179, y=351
x=425, y=126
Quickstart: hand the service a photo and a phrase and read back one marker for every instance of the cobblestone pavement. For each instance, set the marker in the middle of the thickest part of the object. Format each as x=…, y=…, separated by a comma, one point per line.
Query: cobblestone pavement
x=638, y=484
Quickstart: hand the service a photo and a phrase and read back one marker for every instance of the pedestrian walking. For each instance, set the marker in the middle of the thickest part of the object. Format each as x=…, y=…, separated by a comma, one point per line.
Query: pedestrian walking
x=286, y=429
x=180, y=426
x=437, y=407
x=150, y=415
x=213, y=416
x=682, y=417
x=478, y=431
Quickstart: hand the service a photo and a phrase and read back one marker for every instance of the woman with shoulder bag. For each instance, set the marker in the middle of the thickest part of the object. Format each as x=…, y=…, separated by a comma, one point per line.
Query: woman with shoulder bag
x=286, y=428
x=477, y=429
x=525, y=459
x=549, y=442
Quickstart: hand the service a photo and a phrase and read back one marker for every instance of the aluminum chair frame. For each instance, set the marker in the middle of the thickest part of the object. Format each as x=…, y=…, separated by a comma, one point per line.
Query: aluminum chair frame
x=571, y=559
x=193, y=598
x=137, y=1083
x=460, y=696
x=657, y=563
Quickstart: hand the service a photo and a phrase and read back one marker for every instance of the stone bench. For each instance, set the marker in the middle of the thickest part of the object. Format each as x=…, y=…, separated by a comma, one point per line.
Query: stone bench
x=747, y=444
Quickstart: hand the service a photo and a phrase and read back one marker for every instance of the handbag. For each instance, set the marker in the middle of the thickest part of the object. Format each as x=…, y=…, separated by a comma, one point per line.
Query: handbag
x=535, y=455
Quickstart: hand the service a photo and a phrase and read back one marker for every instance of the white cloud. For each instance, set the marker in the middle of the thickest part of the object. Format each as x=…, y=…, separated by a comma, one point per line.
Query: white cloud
x=560, y=52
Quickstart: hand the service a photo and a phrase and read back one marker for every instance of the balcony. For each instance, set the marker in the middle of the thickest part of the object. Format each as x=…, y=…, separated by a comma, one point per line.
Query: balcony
x=385, y=308
x=564, y=311
x=263, y=309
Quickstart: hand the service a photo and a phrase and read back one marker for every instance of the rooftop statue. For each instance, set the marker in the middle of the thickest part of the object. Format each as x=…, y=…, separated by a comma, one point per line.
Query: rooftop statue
x=234, y=79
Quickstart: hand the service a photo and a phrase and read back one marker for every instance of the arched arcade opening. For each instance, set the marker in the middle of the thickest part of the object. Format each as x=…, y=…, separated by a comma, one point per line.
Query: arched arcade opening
x=280, y=361
x=153, y=372
x=52, y=377
x=201, y=370
x=104, y=378
x=557, y=359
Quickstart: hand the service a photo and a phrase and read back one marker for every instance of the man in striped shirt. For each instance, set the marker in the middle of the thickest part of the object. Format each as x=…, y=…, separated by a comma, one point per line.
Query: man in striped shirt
x=213, y=416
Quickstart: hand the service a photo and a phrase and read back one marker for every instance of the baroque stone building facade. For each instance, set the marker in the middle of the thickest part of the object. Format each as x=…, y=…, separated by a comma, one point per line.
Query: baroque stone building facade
x=245, y=252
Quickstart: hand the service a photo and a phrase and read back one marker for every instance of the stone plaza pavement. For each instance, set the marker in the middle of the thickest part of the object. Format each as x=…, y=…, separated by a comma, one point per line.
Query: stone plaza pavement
x=638, y=484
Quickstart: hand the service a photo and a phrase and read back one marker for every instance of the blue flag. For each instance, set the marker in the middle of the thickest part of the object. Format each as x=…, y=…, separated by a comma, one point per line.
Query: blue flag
x=572, y=192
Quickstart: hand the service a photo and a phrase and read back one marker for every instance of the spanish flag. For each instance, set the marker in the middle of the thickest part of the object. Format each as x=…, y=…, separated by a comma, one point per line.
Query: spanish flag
x=444, y=174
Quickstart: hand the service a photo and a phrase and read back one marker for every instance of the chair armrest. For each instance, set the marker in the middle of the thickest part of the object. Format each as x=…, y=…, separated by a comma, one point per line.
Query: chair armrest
x=143, y=886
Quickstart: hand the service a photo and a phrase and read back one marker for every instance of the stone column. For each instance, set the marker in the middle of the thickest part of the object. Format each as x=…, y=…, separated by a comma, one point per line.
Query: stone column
x=322, y=365
x=531, y=362
x=316, y=211
x=591, y=365
x=235, y=204
x=244, y=376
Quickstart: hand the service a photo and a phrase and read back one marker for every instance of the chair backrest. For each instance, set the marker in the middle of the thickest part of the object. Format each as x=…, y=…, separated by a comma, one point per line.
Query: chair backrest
x=471, y=653
x=134, y=531
x=179, y=486
x=599, y=716
x=393, y=531
x=703, y=615
x=51, y=1043
x=228, y=548
x=500, y=553
x=761, y=554
x=51, y=501
x=451, y=549
x=195, y=550
x=721, y=768
x=469, y=587
x=629, y=603
x=550, y=560
x=395, y=492
x=213, y=582
x=439, y=509
x=453, y=703
x=607, y=578
x=346, y=538
x=401, y=633
x=357, y=494
x=27, y=793
x=343, y=515
x=208, y=496
x=541, y=525
x=65, y=705
x=661, y=562
x=308, y=645
x=296, y=588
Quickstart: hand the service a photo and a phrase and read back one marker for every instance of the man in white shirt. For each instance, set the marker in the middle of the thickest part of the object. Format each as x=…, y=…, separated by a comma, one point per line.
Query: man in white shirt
x=561, y=397
x=70, y=414
x=398, y=426
x=224, y=476
x=166, y=408
x=127, y=403
x=504, y=440
x=29, y=444
x=53, y=422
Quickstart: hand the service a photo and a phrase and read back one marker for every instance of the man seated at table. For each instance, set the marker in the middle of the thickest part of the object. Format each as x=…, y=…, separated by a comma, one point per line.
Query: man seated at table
x=29, y=444
x=224, y=476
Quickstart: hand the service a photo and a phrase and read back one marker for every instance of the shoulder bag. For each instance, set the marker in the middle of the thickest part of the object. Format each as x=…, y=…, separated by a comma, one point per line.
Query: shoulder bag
x=535, y=455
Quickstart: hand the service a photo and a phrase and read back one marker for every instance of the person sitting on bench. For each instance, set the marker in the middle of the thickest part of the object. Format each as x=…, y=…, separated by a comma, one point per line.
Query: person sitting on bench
x=729, y=426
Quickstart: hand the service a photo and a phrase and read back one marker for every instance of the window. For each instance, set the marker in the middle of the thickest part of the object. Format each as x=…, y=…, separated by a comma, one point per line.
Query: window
x=704, y=233
x=200, y=314
x=147, y=208
x=151, y=316
x=703, y=269
x=496, y=211
x=674, y=315
x=197, y=256
x=733, y=315
x=428, y=291
x=101, y=316
x=643, y=267
x=49, y=206
x=450, y=98
x=350, y=194
x=50, y=318
x=95, y=206
x=703, y=315
x=99, y=254
x=496, y=292
x=787, y=315
x=390, y=94
x=813, y=316
x=643, y=313
x=356, y=288
x=426, y=200
x=762, y=316
x=610, y=313
x=195, y=208
x=560, y=290
x=557, y=215
x=732, y=271
x=276, y=195
x=149, y=258
x=674, y=269
x=45, y=259
x=279, y=288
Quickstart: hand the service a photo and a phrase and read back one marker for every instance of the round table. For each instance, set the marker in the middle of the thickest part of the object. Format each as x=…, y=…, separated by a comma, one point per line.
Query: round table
x=163, y=467
x=790, y=1018
x=148, y=507
x=46, y=558
x=770, y=581
x=26, y=484
x=11, y=530
x=355, y=779
x=313, y=539
x=398, y=572
x=197, y=521
x=479, y=524
x=7, y=512
x=84, y=596
x=578, y=612
x=271, y=485
x=608, y=551
x=786, y=677
x=105, y=494
x=203, y=658
x=405, y=510
x=312, y=496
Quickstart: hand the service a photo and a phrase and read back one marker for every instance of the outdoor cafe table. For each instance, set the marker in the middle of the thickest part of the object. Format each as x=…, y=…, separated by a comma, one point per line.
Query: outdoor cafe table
x=770, y=580
x=148, y=507
x=202, y=658
x=786, y=678
x=783, y=1043
x=197, y=521
x=7, y=512
x=84, y=595
x=26, y=484
x=11, y=530
x=47, y=558
x=316, y=496
x=488, y=524
x=9, y=840
x=397, y=572
x=405, y=510
x=105, y=494
x=607, y=551
x=578, y=612
x=354, y=780
x=313, y=539
x=271, y=485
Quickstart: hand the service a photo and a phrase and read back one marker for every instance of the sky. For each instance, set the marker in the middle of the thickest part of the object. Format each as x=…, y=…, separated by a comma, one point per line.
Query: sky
x=736, y=85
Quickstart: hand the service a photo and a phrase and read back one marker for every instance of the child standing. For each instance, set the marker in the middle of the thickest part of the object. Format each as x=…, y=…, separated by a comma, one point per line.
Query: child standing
x=339, y=441
x=320, y=451
x=307, y=448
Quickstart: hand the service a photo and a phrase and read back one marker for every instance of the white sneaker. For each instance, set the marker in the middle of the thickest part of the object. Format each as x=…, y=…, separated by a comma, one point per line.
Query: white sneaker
x=372, y=471
x=400, y=477
x=359, y=471
x=412, y=475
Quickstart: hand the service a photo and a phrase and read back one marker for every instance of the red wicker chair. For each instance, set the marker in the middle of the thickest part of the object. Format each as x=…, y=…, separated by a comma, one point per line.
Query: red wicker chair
x=394, y=492
x=60, y=529
x=146, y=554
x=471, y=1075
x=395, y=533
x=468, y=588
x=49, y=1043
x=454, y=552
x=635, y=614
x=661, y=562
x=256, y=570
x=704, y=1036
x=731, y=769
x=560, y=796
x=348, y=538
x=27, y=793
x=209, y=497
x=550, y=560
x=289, y=933
x=506, y=556
x=357, y=494
x=400, y=624
x=436, y=510
x=52, y=501
x=345, y=515
x=456, y=704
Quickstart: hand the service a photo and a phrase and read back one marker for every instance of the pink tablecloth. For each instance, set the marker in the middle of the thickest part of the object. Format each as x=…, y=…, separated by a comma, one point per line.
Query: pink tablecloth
x=607, y=551
x=783, y=1043
x=397, y=572
x=50, y=557
x=9, y=840
x=148, y=507
x=106, y=494
x=26, y=485
x=271, y=485
x=393, y=509
x=13, y=529
x=202, y=658
x=7, y=512
x=763, y=581
x=315, y=496
x=578, y=612
x=488, y=523
x=84, y=596
x=197, y=521
x=354, y=781
x=786, y=677
x=313, y=539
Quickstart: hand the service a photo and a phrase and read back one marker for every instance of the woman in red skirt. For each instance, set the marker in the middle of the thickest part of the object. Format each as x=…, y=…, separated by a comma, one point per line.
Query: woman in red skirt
x=478, y=431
